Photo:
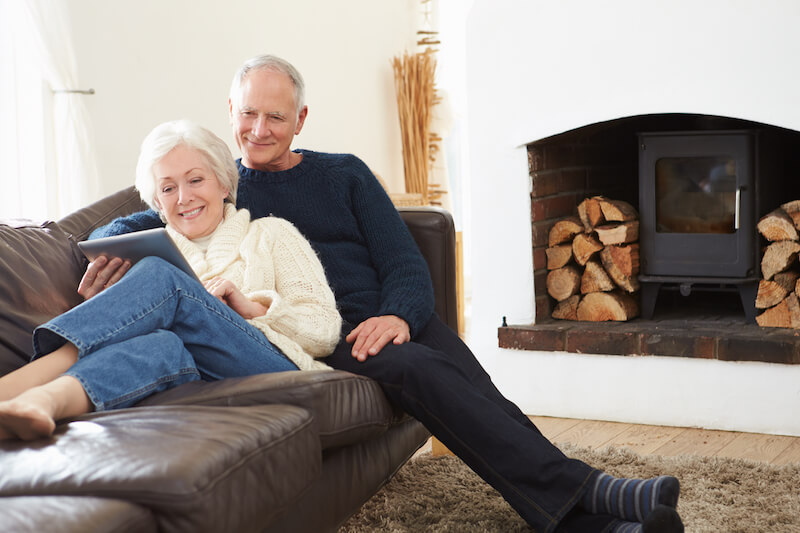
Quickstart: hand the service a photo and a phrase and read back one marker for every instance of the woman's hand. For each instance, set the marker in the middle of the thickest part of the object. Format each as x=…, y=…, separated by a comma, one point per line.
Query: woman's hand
x=102, y=273
x=230, y=295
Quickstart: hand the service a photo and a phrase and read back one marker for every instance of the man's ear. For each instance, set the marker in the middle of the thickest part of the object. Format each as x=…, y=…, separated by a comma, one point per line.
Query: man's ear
x=301, y=119
x=230, y=110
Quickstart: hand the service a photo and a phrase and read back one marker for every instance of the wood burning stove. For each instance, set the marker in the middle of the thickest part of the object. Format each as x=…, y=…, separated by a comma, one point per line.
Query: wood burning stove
x=697, y=202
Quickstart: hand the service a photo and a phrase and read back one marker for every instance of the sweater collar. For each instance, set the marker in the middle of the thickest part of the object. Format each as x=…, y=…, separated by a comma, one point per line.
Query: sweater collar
x=300, y=169
x=223, y=248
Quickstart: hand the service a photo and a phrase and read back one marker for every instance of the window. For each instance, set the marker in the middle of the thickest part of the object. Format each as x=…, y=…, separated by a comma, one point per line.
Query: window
x=46, y=166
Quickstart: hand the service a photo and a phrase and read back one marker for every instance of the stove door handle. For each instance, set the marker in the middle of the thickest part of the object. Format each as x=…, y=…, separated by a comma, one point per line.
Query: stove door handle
x=738, y=207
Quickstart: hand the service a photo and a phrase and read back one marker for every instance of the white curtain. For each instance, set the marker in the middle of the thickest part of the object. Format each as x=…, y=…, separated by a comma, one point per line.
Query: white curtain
x=47, y=168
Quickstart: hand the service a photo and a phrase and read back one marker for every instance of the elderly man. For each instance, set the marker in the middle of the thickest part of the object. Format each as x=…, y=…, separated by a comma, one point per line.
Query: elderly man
x=391, y=334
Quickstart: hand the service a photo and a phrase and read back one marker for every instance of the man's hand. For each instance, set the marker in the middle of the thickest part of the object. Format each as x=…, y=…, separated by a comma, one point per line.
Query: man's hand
x=230, y=295
x=101, y=273
x=373, y=334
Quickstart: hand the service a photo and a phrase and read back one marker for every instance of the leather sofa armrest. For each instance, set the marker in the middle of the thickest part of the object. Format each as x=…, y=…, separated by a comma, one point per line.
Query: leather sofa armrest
x=347, y=408
x=434, y=231
x=40, y=268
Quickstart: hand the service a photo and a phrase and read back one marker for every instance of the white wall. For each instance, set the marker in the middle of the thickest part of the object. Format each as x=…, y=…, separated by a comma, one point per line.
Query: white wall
x=155, y=60
x=537, y=68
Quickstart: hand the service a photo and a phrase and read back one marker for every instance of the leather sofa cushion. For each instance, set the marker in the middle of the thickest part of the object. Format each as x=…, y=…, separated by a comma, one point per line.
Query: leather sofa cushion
x=197, y=468
x=40, y=268
x=68, y=514
x=347, y=408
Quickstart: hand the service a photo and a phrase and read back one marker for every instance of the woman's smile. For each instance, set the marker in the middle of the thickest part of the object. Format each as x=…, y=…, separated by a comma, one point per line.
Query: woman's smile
x=191, y=214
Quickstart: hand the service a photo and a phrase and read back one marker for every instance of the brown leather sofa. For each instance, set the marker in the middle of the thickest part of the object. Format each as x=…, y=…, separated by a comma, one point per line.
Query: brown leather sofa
x=284, y=452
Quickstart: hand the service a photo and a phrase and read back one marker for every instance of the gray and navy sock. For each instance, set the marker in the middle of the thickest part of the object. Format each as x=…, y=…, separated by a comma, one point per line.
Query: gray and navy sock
x=627, y=527
x=630, y=499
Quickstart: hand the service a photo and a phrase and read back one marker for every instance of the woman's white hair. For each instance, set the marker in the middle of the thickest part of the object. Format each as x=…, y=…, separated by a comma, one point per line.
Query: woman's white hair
x=167, y=136
x=275, y=64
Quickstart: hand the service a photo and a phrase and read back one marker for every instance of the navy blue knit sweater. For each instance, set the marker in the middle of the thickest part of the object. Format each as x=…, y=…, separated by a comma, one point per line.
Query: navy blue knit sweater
x=370, y=258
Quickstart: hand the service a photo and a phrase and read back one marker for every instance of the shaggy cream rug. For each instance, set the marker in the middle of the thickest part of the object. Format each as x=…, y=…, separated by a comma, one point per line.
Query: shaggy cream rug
x=442, y=494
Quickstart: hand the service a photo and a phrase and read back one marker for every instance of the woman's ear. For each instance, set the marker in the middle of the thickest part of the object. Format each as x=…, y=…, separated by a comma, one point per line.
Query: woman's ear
x=159, y=210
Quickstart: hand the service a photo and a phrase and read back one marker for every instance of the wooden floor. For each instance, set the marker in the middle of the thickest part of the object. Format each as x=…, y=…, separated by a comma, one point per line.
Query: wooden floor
x=667, y=441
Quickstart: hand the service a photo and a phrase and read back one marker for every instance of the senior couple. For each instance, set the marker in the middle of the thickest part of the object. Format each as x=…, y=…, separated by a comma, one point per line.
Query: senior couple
x=243, y=227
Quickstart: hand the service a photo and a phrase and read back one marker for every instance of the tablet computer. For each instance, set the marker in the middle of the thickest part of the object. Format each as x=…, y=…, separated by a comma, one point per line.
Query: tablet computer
x=138, y=245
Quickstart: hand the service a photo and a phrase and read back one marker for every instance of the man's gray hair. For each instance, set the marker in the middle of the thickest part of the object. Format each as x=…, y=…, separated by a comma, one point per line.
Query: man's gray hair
x=275, y=64
x=169, y=135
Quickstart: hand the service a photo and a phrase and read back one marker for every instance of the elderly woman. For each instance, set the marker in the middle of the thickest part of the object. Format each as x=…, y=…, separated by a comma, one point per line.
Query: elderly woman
x=264, y=304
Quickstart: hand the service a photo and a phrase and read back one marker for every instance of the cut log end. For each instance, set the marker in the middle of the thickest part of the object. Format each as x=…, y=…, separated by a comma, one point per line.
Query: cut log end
x=563, y=282
x=622, y=265
x=590, y=214
x=584, y=247
x=617, y=210
x=605, y=306
x=621, y=233
x=568, y=309
x=558, y=256
x=778, y=257
x=771, y=293
x=792, y=210
x=777, y=226
x=564, y=230
x=595, y=279
x=775, y=317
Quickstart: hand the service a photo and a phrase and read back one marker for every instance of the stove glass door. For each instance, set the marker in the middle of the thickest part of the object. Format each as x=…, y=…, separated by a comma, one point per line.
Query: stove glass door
x=695, y=194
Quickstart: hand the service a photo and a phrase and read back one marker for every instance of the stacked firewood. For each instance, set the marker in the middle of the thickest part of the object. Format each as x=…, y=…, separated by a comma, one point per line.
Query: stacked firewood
x=593, y=262
x=779, y=290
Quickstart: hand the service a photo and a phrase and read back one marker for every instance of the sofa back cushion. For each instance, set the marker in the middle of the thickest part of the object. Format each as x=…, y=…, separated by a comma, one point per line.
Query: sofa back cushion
x=40, y=268
x=80, y=224
x=434, y=232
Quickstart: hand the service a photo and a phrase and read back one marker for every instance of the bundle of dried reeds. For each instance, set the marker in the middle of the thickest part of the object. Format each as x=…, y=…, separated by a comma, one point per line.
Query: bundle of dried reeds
x=416, y=95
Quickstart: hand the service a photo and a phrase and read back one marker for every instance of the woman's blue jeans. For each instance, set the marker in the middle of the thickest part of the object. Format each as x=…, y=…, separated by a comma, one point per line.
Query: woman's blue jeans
x=155, y=329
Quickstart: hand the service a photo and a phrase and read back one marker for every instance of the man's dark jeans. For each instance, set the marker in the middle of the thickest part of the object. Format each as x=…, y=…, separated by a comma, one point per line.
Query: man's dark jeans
x=437, y=380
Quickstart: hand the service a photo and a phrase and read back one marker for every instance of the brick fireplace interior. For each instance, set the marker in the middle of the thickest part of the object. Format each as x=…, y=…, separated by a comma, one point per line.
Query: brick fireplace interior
x=602, y=159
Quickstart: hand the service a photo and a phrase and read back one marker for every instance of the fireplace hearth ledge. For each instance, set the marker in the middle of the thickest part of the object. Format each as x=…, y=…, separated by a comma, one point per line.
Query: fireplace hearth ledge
x=728, y=342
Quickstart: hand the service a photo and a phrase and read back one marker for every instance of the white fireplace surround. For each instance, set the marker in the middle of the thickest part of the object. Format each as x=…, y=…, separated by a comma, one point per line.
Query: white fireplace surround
x=537, y=68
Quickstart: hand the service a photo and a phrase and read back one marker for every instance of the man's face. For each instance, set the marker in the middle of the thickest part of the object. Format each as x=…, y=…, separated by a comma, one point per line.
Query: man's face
x=265, y=120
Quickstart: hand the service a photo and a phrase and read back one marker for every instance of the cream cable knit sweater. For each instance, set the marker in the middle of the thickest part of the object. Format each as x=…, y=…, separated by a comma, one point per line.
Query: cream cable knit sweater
x=272, y=263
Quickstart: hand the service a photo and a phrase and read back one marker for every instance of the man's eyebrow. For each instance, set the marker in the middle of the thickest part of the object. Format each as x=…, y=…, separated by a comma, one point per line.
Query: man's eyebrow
x=248, y=109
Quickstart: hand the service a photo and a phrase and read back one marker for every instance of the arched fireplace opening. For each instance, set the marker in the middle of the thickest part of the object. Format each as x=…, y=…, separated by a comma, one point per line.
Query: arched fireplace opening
x=698, y=309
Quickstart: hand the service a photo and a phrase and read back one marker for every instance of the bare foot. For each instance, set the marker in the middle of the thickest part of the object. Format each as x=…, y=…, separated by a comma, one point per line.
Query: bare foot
x=24, y=420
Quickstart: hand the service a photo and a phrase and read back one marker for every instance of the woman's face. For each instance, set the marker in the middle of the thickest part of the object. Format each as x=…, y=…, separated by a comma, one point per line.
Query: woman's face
x=188, y=193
